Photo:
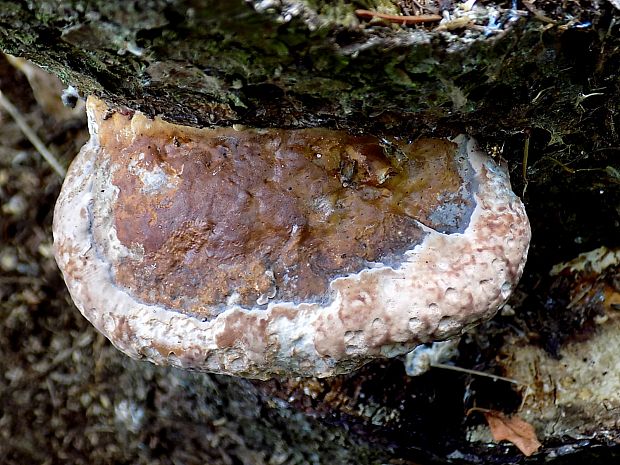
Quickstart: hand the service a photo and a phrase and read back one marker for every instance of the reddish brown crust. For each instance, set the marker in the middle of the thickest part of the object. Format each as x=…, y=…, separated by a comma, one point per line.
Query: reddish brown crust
x=279, y=214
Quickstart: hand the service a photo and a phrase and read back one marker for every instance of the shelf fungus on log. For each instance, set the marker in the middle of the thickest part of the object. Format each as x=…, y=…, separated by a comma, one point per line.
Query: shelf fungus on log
x=267, y=252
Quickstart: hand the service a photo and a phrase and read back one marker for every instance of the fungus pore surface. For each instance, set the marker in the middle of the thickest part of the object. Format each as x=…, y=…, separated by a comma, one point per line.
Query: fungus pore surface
x=263, y=251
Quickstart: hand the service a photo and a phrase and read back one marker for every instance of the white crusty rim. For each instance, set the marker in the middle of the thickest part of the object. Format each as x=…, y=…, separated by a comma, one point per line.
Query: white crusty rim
x=445, y=284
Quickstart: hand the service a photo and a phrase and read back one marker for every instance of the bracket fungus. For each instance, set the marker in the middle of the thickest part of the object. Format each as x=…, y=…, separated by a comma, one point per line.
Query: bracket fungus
x=267, y=252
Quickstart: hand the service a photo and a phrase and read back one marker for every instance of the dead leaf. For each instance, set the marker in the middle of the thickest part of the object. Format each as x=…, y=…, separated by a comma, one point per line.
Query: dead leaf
x=513, y=429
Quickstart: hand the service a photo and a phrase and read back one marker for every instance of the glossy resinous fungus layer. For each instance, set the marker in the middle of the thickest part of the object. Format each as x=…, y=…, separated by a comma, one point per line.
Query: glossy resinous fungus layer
x=265, y=251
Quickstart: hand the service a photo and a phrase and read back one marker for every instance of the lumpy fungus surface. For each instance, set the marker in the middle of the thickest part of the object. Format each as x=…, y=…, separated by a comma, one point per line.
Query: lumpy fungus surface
x=265, y=252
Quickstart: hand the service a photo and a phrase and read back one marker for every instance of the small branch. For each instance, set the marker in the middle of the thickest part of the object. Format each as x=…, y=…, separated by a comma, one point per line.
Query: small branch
x=417, y=19
x=476, y=373
x=537, y=13
x=31, y=135
x=526, y=154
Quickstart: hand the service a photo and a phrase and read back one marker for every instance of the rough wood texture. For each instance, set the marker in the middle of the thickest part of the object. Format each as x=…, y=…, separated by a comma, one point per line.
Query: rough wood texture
x=542, y=90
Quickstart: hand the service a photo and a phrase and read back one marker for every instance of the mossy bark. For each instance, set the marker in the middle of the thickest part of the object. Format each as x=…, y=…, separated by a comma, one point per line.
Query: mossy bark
x=541, y=90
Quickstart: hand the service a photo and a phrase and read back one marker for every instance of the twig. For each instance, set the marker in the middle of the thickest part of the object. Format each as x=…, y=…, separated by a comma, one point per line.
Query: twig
x=537, y=13
x=609, y=170
x=476, y=373
x=602, y=149
x=416, y=19
x=526, y=154
x=31, y=135
x=477, y=409
x=18, y=279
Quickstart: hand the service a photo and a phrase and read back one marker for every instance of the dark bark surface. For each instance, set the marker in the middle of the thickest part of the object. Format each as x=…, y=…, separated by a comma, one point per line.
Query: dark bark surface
x=541, y=90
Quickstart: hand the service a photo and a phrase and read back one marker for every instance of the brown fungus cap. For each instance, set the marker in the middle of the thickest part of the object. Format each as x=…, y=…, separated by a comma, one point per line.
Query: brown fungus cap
x=265, y=252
